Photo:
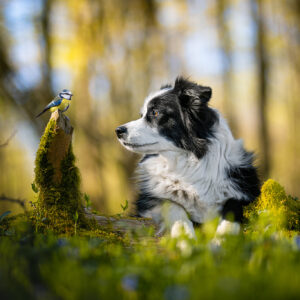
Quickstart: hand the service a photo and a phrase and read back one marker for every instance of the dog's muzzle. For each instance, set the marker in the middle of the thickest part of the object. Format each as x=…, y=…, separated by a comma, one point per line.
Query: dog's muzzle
x=121, y=131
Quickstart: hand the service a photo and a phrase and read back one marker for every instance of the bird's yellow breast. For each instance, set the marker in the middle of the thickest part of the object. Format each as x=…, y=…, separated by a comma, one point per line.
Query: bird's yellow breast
x=62, y=106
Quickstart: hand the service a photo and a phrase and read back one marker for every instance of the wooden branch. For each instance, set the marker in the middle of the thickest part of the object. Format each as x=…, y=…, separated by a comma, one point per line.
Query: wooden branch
x=13, y=200
x=8, y=140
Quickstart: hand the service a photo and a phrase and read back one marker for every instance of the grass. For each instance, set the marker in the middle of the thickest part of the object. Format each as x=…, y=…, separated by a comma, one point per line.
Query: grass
x=262, y=262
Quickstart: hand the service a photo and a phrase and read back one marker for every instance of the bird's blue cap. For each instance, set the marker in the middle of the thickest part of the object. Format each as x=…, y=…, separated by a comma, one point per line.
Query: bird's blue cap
x=67, y=91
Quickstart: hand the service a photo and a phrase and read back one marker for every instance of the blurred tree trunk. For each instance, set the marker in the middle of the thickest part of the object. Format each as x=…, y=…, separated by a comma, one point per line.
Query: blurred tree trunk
x=46, y=84
x=134, y=67
x=226, y=48
x=291, y=10
x=262, y=74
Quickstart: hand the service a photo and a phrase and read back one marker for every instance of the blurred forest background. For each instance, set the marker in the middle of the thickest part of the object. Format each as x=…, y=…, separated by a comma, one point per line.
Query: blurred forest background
x=111, y=54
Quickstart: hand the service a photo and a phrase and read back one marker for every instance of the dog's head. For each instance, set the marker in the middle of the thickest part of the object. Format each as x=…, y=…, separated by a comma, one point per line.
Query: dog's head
x=175, y=118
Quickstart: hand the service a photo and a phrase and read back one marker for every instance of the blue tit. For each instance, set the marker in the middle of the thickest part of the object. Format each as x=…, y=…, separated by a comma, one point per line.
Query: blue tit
x=61, y=102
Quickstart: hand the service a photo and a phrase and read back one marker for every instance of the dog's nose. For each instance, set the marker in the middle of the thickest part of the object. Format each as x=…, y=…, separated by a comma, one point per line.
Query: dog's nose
x=120, y=131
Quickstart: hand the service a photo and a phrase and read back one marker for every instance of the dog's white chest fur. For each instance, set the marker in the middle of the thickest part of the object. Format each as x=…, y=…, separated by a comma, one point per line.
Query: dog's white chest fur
x=164, y=182
x=183, y=182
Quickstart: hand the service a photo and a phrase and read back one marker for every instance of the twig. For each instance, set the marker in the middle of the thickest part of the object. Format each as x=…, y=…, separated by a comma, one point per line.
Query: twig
x=8, y=140
x=13, y=200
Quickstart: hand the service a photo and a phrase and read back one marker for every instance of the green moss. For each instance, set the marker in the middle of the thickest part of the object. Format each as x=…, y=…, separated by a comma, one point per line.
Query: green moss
x=106, y=234
x=283, y=210
x=25, y=225
x=70, y=184
x=43, y=168
x=57, y=202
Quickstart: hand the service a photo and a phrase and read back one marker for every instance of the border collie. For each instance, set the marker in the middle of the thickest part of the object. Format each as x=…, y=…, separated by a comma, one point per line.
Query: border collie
x=192, y=169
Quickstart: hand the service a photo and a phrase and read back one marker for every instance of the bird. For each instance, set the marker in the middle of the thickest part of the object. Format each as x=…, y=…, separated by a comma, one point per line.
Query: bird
x=61, y=102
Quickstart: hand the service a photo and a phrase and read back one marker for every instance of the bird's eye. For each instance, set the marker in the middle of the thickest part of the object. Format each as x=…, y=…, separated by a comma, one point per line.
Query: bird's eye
x=155, y=113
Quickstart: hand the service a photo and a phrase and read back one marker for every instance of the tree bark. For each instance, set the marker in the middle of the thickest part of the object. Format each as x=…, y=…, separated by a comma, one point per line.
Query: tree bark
x=60, y=144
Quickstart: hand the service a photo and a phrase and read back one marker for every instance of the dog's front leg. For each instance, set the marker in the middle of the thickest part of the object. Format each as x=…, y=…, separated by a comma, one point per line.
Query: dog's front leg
x=232, y=215
x=228, y=227
x=172, y=218
x=232, y=209
x=177, y=221
x=225, y=227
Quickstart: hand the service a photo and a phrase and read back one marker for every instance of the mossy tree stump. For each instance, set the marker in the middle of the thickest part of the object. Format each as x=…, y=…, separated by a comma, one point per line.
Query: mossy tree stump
x=57, y=177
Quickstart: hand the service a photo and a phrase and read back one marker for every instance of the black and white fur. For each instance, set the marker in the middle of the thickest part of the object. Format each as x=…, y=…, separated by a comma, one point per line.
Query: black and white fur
x=192, y=169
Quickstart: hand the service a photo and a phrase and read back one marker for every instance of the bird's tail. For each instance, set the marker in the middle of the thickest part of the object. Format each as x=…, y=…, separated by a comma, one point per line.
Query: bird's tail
x=42, y=112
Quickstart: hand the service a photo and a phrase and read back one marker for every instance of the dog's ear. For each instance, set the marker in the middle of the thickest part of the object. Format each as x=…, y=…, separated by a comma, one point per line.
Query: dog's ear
x=166, y=86
x=191, y=94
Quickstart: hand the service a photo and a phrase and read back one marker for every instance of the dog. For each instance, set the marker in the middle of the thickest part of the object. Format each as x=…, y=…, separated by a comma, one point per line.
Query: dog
x=192, y=168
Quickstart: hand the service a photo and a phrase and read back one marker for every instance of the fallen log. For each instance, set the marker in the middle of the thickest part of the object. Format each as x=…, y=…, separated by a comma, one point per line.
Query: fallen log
x=123, y=223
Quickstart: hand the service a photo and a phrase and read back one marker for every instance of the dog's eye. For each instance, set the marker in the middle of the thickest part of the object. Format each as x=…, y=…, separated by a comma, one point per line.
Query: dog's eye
x=155, y=113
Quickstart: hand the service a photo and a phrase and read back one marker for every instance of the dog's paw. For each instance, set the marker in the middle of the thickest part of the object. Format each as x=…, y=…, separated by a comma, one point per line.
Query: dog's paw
x=227, y=227
x=180, y=228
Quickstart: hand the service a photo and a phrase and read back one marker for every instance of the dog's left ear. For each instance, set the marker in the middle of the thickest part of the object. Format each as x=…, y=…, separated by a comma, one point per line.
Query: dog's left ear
x=191, y=94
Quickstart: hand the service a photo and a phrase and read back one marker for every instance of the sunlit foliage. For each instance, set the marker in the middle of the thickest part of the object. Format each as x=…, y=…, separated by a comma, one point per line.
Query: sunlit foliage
x=112, y=53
